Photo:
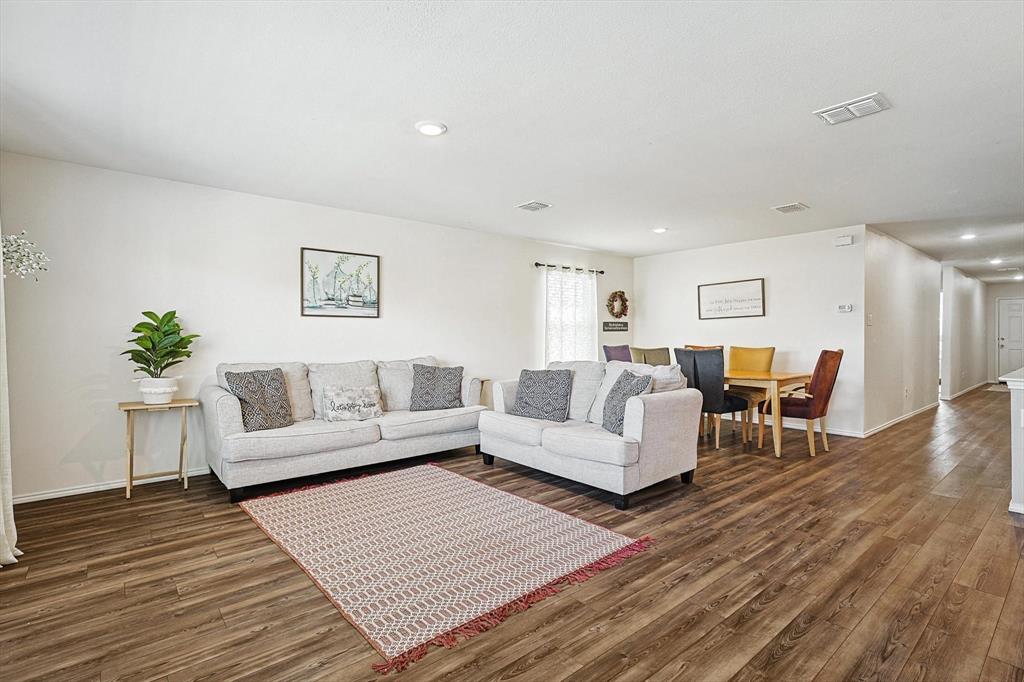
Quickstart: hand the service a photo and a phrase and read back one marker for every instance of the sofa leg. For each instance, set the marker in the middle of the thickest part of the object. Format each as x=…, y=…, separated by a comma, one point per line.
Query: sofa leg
x=687, y=476
x=236, y=495
x=622, y=502
x=488, y=459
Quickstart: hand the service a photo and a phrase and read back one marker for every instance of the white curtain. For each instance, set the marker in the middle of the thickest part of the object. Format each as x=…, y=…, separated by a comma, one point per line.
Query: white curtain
x=570, y=320
x=8, y=534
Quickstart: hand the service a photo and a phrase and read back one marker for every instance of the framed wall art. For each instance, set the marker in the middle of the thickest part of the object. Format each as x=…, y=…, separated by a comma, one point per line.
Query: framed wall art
x=742, y=298
x=339, y=283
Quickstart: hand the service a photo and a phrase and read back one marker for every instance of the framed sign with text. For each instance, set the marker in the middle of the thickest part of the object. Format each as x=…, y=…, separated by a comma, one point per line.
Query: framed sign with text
x=742, y=298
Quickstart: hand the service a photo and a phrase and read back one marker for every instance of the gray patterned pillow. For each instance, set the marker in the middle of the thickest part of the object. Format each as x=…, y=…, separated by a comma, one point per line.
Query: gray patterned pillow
x=435, y=388
x=263, y=395
x=352, y=404
x=543, y=394
x=625, y=387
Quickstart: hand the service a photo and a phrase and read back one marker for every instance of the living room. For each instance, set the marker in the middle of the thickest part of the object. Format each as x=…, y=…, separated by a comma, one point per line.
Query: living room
x=441, y=340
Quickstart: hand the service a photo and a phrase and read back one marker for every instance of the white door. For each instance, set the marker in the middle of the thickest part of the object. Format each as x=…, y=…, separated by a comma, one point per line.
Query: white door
x=1011, y=335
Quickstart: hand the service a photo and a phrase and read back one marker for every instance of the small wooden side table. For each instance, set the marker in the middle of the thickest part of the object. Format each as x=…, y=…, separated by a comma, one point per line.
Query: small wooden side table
x=130, y=409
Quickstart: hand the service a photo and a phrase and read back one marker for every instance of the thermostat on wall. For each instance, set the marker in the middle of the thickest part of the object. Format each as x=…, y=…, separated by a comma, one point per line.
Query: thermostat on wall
x=846, y=307
x=843, y=240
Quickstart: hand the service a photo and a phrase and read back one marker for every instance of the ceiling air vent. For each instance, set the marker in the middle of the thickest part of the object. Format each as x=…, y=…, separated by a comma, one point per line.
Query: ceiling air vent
x=534, y=206
x=855, y=108
x=791, y=208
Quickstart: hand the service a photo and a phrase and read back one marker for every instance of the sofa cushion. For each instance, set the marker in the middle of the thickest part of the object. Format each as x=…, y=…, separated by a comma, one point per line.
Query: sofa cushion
x=296, y=378
x=626, y=386
x=666, y=378
x=522, y=430
x=583, y=440
x=263, y=397
x=395, y=378
x=543, y=394
x=301, y=438
x=435, y=388
x=587, y=376
x=338, y=375
x=401, y=424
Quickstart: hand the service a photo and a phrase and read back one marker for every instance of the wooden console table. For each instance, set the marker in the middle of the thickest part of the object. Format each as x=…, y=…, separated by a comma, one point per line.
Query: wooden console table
x=130, y=409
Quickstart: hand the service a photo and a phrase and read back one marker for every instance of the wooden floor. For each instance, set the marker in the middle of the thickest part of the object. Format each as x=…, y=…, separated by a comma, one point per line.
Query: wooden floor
x=889, y=558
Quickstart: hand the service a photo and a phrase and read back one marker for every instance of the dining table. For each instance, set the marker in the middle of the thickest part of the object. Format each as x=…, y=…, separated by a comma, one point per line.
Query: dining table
x=774, y=383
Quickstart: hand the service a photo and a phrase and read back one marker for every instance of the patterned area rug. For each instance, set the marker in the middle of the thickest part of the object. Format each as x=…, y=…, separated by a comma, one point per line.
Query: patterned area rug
x=424, y=556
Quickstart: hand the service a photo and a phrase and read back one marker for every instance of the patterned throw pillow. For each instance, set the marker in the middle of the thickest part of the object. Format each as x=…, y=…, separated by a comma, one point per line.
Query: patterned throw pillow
x=626, y=386
x=352, y=404
x=263, y=395
x=543, y=394
x=435, y=388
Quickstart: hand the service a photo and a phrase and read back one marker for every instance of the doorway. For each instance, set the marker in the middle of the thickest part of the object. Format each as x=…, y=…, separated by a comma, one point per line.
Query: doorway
x=1010, y=335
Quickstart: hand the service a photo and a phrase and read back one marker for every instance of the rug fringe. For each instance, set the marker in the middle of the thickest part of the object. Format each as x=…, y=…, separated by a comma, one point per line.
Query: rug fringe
x=497, y=616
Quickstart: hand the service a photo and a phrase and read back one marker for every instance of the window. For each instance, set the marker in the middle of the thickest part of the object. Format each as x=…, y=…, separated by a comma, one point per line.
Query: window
x=570, y=320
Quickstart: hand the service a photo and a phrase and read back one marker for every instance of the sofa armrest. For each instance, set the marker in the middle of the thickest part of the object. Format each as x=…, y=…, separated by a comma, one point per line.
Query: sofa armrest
x=504, y=394
x=471, y=390
x=222, y=417
x=665, y=424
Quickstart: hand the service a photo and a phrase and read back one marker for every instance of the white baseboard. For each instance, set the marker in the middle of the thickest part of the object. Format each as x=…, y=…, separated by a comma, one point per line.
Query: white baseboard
x=897, y=420
x=966, y=390
x=800, y=425
x=1017, y=508
x=96, y=487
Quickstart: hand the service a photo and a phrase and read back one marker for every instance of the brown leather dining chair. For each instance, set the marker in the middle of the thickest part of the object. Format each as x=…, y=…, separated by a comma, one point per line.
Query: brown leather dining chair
x=810, y=403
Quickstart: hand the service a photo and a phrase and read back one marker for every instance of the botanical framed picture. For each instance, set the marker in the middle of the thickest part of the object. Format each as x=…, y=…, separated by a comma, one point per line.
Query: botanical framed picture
x=742, y=298
x=339, y=283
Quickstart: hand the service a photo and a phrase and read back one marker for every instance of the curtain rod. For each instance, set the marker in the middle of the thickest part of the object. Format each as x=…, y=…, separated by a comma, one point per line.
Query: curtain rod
x=567, y=267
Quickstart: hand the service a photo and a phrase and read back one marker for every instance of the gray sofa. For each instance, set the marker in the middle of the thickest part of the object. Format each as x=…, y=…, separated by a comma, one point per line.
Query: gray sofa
x=312, y=445
x=659, y=438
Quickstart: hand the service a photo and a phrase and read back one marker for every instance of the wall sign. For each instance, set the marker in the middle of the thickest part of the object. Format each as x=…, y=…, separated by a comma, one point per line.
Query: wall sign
x=615, y=326
x=742, y=298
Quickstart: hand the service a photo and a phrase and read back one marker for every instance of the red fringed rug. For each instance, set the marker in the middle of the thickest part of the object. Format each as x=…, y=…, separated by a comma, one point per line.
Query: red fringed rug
x=424, y=556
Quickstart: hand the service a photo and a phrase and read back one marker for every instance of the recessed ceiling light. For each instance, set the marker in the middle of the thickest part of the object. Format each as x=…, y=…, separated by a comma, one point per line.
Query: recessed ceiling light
x=660, y=230
x=432, y=128
x=969, y=235
x=995, y=261
x=1019, y=277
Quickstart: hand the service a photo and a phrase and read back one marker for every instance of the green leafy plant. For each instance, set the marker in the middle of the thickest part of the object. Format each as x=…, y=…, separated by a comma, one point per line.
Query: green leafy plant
x=160, y=342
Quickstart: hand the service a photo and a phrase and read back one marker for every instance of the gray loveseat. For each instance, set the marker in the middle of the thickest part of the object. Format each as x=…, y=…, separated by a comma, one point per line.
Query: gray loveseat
x=659, y=438
x=313, y=445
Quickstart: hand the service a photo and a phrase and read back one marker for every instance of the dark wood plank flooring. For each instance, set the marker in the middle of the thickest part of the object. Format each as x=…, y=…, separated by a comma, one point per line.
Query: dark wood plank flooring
x=888, y=558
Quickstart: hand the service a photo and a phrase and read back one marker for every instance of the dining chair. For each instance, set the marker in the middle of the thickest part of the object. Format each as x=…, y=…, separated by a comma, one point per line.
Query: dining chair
x=810, y=403
x=707, y=375
x=617, y=353
x=650, y=356
x=692, y=347
x=752, y=360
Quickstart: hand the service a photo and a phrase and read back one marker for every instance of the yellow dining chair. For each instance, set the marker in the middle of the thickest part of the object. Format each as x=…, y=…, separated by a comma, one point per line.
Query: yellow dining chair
x=751, y=360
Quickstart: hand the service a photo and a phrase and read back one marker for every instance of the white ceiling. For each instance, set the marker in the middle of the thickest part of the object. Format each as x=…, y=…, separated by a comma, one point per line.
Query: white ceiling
x=940, y=239
x=625, y=116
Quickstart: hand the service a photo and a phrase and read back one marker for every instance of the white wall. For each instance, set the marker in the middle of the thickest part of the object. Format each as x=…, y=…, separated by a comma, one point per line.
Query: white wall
x=994, y=292
x=229, y=263
x=901, y=332
x=964, y=350
x=806, y=279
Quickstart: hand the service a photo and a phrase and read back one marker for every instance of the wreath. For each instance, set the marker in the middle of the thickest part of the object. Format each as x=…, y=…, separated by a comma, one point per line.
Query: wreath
x=618, y=304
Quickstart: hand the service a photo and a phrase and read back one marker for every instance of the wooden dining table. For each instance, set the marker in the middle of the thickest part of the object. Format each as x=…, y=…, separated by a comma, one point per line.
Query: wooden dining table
x=775, y=383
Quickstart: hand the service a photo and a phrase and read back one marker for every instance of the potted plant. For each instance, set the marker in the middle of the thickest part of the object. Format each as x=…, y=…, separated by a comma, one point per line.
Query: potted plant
x=161, y=345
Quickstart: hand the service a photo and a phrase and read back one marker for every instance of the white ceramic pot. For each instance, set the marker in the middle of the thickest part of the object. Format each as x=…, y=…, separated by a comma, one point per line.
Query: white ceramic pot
x=158, y=391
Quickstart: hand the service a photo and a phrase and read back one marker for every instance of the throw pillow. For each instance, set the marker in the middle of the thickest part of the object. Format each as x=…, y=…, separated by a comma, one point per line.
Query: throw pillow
x=543, y=394
x=435, y=388
x=626, y=386
x=263, y=395
x=352, y=404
